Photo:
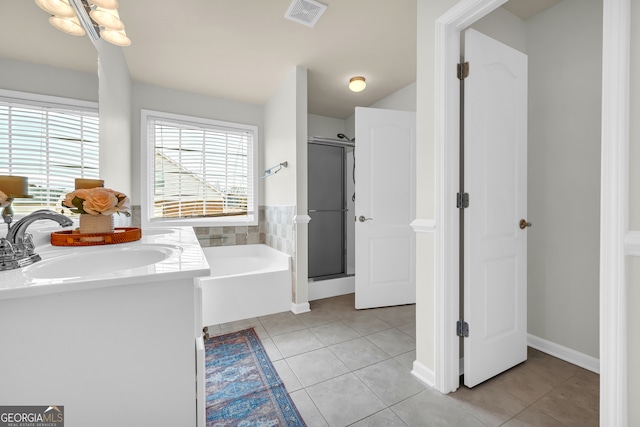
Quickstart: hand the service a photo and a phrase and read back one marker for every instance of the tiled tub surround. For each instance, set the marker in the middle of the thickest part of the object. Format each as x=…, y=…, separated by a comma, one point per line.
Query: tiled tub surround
x=231, y=236
x=275, y=229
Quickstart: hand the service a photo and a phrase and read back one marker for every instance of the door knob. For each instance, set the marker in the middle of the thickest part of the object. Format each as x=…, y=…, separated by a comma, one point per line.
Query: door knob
x=524, y=224
x=362, y=218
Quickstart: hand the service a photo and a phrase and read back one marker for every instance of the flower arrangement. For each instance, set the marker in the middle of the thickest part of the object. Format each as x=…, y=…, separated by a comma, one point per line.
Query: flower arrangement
x=4, y=200
x=97, y=201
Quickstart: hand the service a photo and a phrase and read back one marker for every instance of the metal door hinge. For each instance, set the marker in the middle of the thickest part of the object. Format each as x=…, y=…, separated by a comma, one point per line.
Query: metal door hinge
x=463, y=200
x=463, y=71
x=462, y=328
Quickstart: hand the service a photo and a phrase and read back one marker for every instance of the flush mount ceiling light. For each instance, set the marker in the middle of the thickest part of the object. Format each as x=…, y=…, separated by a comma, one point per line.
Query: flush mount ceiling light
x=98, y=18
x=357, y=84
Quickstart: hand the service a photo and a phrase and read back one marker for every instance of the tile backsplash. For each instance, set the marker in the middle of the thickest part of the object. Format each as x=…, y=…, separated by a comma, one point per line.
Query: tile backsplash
x=275, y=228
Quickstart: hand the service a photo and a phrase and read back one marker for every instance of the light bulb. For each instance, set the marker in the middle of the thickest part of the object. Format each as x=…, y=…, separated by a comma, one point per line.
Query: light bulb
x=119, y=38
x=109, y=19
x=357, y=84
x=60, y=8
x=107, y=4
x=67, y=25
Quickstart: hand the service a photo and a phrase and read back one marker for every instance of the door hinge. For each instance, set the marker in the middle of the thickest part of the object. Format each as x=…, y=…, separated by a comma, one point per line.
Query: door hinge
x=463, y=200
x=462, y=328
x=463, y=71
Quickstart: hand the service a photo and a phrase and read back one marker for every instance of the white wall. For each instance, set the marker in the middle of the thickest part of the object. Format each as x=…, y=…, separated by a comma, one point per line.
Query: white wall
x=428, y=11
x=285, y=139
x=403, y=100
x=505, y=27
x=280, y=142
x=633, y=279
x=45, y=80
x=564, y=45
x=327, y=127
x=115, y=120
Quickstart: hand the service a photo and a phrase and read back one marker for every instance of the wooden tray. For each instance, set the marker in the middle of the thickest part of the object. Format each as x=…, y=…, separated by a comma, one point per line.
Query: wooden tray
x=73, y=238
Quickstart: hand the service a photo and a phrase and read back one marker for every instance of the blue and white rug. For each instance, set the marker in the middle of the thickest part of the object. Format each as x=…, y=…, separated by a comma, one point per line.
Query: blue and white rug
x=243, y=387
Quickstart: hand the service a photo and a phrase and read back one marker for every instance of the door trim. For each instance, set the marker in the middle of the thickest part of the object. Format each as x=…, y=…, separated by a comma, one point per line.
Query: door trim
x=614, y=199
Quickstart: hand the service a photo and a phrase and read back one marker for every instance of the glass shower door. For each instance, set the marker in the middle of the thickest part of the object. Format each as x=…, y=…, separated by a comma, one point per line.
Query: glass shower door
x=327, y=209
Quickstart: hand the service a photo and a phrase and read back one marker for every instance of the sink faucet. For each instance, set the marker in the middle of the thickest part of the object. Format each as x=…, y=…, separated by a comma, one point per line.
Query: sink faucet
x=17, y=249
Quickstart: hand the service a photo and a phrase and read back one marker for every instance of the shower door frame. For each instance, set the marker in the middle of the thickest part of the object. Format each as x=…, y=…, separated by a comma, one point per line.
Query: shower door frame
x=345, y=253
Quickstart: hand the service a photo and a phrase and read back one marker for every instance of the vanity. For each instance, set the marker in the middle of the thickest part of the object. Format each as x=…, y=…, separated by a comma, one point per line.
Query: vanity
x=110, y=332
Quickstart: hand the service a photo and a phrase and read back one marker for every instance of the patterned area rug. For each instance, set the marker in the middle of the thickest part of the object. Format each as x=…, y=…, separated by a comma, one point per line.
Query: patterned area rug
x=243, y=387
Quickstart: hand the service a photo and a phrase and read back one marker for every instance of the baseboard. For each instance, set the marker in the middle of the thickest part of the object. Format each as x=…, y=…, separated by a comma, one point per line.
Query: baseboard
x=424, y=374
x=561, y=352
x=300, y=308
x=331, y=288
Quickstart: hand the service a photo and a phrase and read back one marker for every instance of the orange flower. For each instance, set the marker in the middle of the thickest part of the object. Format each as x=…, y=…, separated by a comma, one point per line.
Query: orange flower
x=100, y=201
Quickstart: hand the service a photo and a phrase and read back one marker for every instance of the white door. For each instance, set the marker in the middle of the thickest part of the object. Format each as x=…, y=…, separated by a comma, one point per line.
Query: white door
x=495, y=247
x=385, y=207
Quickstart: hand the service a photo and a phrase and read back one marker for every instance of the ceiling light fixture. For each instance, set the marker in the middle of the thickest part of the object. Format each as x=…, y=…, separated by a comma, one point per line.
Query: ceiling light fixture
x=70, y=26
x=357, y=84
x=99, y=18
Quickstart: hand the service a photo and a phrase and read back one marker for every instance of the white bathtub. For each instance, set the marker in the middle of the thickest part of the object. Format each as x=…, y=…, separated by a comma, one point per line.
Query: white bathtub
x=246, y=281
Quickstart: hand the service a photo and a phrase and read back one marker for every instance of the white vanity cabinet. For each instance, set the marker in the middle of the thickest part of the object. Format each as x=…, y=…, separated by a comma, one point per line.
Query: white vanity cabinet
x=118, y=352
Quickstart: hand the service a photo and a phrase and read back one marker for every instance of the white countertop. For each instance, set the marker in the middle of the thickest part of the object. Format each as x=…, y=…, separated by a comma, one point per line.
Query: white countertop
x=185, y=260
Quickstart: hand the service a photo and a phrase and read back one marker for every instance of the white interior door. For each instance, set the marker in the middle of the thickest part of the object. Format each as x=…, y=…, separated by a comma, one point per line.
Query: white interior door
x=385, y=207
x=495, y=247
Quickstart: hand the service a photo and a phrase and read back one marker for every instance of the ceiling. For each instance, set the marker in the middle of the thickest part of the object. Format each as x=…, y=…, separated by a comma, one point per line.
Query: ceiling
x=244, y=50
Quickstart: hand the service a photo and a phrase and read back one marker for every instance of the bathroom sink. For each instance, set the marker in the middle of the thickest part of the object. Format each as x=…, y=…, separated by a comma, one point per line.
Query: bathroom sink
x=157, y=231
x=92, y=262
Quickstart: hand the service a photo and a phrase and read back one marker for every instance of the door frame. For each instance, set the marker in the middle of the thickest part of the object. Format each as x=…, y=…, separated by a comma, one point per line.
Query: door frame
x=614, y=199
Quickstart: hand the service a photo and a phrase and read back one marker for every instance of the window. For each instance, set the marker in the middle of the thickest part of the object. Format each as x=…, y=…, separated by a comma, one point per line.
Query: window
x=49, y=140
x=198, y=171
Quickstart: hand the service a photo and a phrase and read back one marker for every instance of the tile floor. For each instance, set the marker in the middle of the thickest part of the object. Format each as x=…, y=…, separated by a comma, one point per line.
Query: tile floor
x=347, y=367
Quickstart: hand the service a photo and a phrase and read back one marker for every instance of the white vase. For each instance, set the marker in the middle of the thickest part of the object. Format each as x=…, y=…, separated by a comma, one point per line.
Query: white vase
x=91, y=224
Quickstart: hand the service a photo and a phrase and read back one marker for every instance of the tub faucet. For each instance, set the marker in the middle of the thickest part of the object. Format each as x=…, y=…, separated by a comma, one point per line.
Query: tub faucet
x=17, y=249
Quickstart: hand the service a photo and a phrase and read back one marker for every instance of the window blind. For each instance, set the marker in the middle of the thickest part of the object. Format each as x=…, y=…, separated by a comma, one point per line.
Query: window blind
x=200, y=169
x=51, y=145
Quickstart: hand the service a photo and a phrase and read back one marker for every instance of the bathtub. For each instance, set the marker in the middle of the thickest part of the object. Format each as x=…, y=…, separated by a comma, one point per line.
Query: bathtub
x=246, y=281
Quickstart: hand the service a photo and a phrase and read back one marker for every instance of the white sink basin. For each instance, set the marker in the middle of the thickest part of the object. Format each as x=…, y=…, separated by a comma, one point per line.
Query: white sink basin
x=100, y=261
x=157, y=231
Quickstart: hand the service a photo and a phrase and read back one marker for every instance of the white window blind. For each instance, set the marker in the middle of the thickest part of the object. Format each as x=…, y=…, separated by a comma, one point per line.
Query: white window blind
x=201, y=169
x=50, y=144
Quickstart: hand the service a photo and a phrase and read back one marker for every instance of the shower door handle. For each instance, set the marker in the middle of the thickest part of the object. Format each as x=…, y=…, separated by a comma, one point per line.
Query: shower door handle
x=362, y=218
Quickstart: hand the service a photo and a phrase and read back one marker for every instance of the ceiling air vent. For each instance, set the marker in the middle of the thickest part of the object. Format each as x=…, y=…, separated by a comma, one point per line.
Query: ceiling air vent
x=306, y=12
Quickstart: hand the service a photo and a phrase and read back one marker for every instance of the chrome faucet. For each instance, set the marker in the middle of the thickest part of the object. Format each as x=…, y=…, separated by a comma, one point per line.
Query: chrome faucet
x=17, y=249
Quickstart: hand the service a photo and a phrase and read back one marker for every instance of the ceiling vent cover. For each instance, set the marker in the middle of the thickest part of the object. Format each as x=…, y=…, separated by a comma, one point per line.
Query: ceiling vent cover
x=306, y=12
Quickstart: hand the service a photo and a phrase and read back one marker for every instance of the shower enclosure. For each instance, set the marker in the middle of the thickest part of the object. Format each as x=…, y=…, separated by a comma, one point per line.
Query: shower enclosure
x=327, y=198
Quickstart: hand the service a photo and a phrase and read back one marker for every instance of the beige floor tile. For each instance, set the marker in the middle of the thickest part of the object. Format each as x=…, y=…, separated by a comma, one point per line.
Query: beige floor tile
x=296, y=342
x=524, y=384
x=393, y=341
x=366, y=323
x=386, y=418
x=431, y=408
x=334, y=333
x=358, y=353
x=307, y=409
x=390, y=381
x=489, y=403
x=407, y=359
x=398, y=315
x=271, y=349
x=316, y=366
x=289, y=379
x=552, y=368
x=574, y=402
x=532, y=417
x=344, y=400
x=317, y=317
x=281, y=323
